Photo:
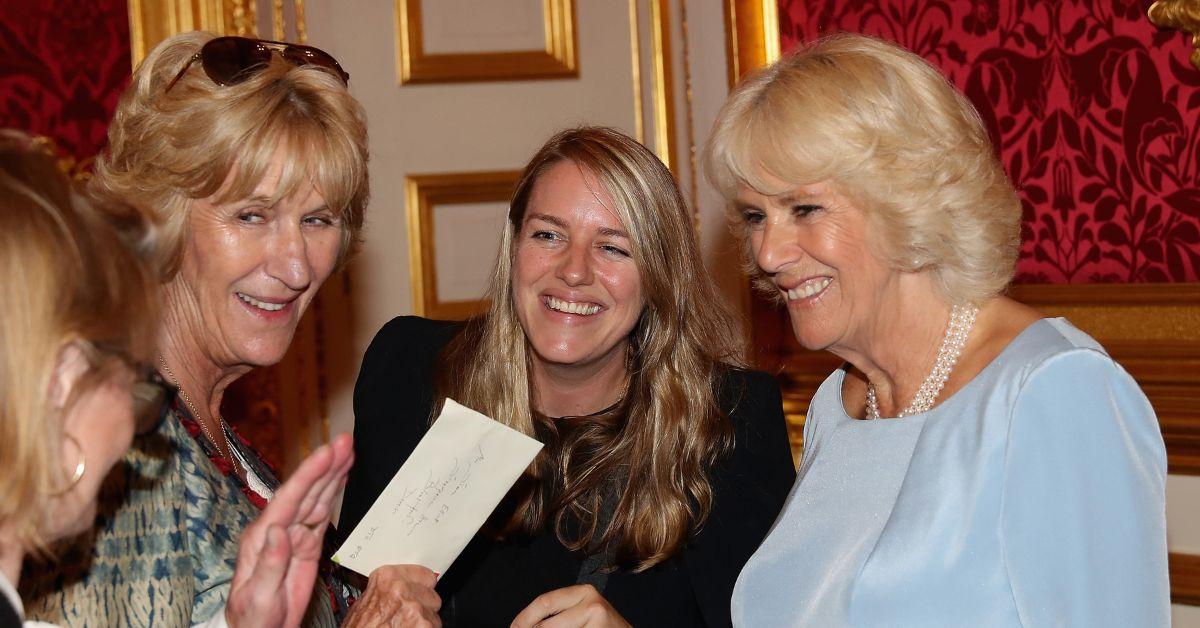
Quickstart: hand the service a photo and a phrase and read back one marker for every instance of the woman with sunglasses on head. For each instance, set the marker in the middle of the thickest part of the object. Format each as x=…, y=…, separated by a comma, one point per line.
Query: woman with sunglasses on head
x=78, y=310
x=253, y=156
x=664, y=463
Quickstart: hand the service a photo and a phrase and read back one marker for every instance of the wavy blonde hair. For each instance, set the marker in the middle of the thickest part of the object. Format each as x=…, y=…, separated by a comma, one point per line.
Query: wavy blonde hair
x=167, y=148
x=892, y=135
x=664, y=436
x=70, y=272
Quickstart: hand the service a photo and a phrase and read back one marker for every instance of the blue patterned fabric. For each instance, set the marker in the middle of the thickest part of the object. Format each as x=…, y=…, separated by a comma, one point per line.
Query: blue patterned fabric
x=165, y=543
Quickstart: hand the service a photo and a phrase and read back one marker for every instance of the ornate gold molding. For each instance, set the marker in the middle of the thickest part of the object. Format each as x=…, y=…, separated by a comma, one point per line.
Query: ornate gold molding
x=423, y=193
x=751, y=36
x=557, y=60
x=1179, y=14
x=151, y=21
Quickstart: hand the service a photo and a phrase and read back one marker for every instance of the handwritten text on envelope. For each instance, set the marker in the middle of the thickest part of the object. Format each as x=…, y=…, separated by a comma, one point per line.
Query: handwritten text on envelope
x=442, y=495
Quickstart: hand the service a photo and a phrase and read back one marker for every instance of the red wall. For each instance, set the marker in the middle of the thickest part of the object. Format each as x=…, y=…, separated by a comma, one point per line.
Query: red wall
x=63, y=65
x=1096, y=113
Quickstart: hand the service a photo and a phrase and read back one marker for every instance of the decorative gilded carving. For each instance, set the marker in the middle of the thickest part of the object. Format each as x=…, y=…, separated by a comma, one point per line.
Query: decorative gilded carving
x=151, y=21
x=1179, y=14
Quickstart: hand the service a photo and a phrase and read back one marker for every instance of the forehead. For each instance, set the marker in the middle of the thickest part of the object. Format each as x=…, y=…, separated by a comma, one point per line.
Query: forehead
x=281, y=179
x=777, y=192
x=568, y=193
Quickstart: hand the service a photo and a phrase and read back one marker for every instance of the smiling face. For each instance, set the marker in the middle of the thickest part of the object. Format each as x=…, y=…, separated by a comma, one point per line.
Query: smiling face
x=250, y=269
x=812, y=242
x=576, y=288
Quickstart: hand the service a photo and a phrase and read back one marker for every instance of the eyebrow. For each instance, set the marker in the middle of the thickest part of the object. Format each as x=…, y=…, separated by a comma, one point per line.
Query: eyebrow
x=558, y=222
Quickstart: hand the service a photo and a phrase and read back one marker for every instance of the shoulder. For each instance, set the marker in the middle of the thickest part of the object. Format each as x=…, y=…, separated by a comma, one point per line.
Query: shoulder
x=414, y=333
x=1054, y=349
x=744, y=394
x=407, y=343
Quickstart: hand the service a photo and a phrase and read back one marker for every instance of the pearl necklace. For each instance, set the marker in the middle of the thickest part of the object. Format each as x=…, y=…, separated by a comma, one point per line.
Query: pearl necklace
x=962, y=318
x=187, y=400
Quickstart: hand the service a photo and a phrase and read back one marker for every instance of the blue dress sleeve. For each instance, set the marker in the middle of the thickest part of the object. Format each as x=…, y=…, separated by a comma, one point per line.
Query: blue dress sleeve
x=1083, y=518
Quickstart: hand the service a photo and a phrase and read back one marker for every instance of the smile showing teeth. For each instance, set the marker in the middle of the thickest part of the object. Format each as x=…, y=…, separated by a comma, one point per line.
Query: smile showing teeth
x=262, y=305
x=570, y=307
x=808, y=288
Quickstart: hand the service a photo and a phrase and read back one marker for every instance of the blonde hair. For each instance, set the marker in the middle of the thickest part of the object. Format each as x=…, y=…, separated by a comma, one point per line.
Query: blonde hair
x=166, y=148
x=667, y=432
x=70, y=272
x=892, y=135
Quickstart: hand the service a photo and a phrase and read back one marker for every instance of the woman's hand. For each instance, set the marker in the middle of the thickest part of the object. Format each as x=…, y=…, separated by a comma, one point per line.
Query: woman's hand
x=278, y=553
x=398, y=595
x=570, y=607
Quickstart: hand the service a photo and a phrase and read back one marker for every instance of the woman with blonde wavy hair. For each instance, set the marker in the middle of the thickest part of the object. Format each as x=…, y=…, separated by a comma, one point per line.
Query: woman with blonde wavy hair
x=665, y=462
x=253, y=156
x=973, y=463
x=78, y=312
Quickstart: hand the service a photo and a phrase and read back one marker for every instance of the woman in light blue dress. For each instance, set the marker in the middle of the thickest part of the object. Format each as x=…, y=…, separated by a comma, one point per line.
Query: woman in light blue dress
x=973, y=463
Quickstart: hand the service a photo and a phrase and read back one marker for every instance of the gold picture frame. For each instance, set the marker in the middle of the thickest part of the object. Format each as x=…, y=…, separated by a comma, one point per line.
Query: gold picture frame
x=423, y=193
x=556, y=60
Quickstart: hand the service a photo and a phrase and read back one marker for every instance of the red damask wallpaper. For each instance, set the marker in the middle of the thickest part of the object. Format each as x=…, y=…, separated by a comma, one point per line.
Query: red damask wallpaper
x=1096, y=114
x=63, y=64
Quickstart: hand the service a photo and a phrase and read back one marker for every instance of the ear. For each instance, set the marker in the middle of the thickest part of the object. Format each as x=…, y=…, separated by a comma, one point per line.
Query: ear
x=69, y=366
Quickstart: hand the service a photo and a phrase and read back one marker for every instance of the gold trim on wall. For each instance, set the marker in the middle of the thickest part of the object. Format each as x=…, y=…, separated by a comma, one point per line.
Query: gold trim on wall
x=423, y=193
x=151, y=21
x=664, y=89
x=751, y=36
x=557, y=60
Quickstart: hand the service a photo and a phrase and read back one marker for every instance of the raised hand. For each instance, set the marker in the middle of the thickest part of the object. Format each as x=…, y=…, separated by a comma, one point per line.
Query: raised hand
x=278, y=554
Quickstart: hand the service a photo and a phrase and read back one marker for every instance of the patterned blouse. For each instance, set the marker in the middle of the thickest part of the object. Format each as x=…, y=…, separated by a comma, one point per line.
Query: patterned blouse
x=165, y=541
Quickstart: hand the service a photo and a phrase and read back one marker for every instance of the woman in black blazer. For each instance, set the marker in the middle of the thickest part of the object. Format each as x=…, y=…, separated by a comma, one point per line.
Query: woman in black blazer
x=665, y=461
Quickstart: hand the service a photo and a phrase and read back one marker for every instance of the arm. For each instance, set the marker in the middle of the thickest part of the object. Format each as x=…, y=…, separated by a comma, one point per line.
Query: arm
x=749, y=487
x=1083, y=522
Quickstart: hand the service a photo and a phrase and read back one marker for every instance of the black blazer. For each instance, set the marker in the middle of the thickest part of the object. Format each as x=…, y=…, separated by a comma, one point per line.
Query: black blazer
x=493, y=581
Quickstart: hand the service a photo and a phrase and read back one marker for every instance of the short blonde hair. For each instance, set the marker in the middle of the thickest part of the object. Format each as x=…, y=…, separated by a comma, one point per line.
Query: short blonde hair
x=890, y=133
x=167, y=148
x=70, y=272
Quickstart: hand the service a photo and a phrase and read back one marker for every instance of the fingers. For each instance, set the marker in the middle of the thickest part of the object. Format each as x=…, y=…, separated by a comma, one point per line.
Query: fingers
x=399, y=595
x=570, y=607
x=552, y=603
x=256, y=598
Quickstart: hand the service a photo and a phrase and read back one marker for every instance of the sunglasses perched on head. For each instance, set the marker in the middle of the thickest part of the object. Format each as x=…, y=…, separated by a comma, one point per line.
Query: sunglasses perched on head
x=152, y=397
x=231, y=60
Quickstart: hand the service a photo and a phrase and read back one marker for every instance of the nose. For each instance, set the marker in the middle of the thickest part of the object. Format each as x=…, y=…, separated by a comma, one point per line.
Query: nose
x=287, y=259
x=575, y=266
x=774, y=247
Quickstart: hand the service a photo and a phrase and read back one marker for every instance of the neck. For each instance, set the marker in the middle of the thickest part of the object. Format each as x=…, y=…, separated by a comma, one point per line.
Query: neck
x=196, y=371
x=11, y=556
x=899, y=347
x=578, y=390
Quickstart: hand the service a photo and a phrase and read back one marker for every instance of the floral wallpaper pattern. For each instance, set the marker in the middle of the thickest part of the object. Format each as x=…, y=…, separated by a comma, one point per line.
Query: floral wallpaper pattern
x=1095, y=111
x=63, y=65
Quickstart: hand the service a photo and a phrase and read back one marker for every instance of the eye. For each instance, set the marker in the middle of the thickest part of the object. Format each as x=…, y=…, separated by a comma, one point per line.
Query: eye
x=805, y=209
x=753, y=217
x=321, y=219
x=614, y=250
x=251, y=216
x=544, y=235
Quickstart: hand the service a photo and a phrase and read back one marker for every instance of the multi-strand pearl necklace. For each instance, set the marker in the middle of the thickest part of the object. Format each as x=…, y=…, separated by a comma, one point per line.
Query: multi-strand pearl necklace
x=962, y=318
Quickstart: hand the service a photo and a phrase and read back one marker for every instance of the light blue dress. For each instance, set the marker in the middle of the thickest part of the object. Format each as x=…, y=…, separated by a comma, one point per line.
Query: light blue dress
x=1034, y=496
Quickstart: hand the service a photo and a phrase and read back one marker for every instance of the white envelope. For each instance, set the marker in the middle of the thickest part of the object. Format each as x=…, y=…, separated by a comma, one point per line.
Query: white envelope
x=445, y=491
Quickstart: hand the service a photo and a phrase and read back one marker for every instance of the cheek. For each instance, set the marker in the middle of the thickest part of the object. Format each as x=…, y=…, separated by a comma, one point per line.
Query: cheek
x=323, y=254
